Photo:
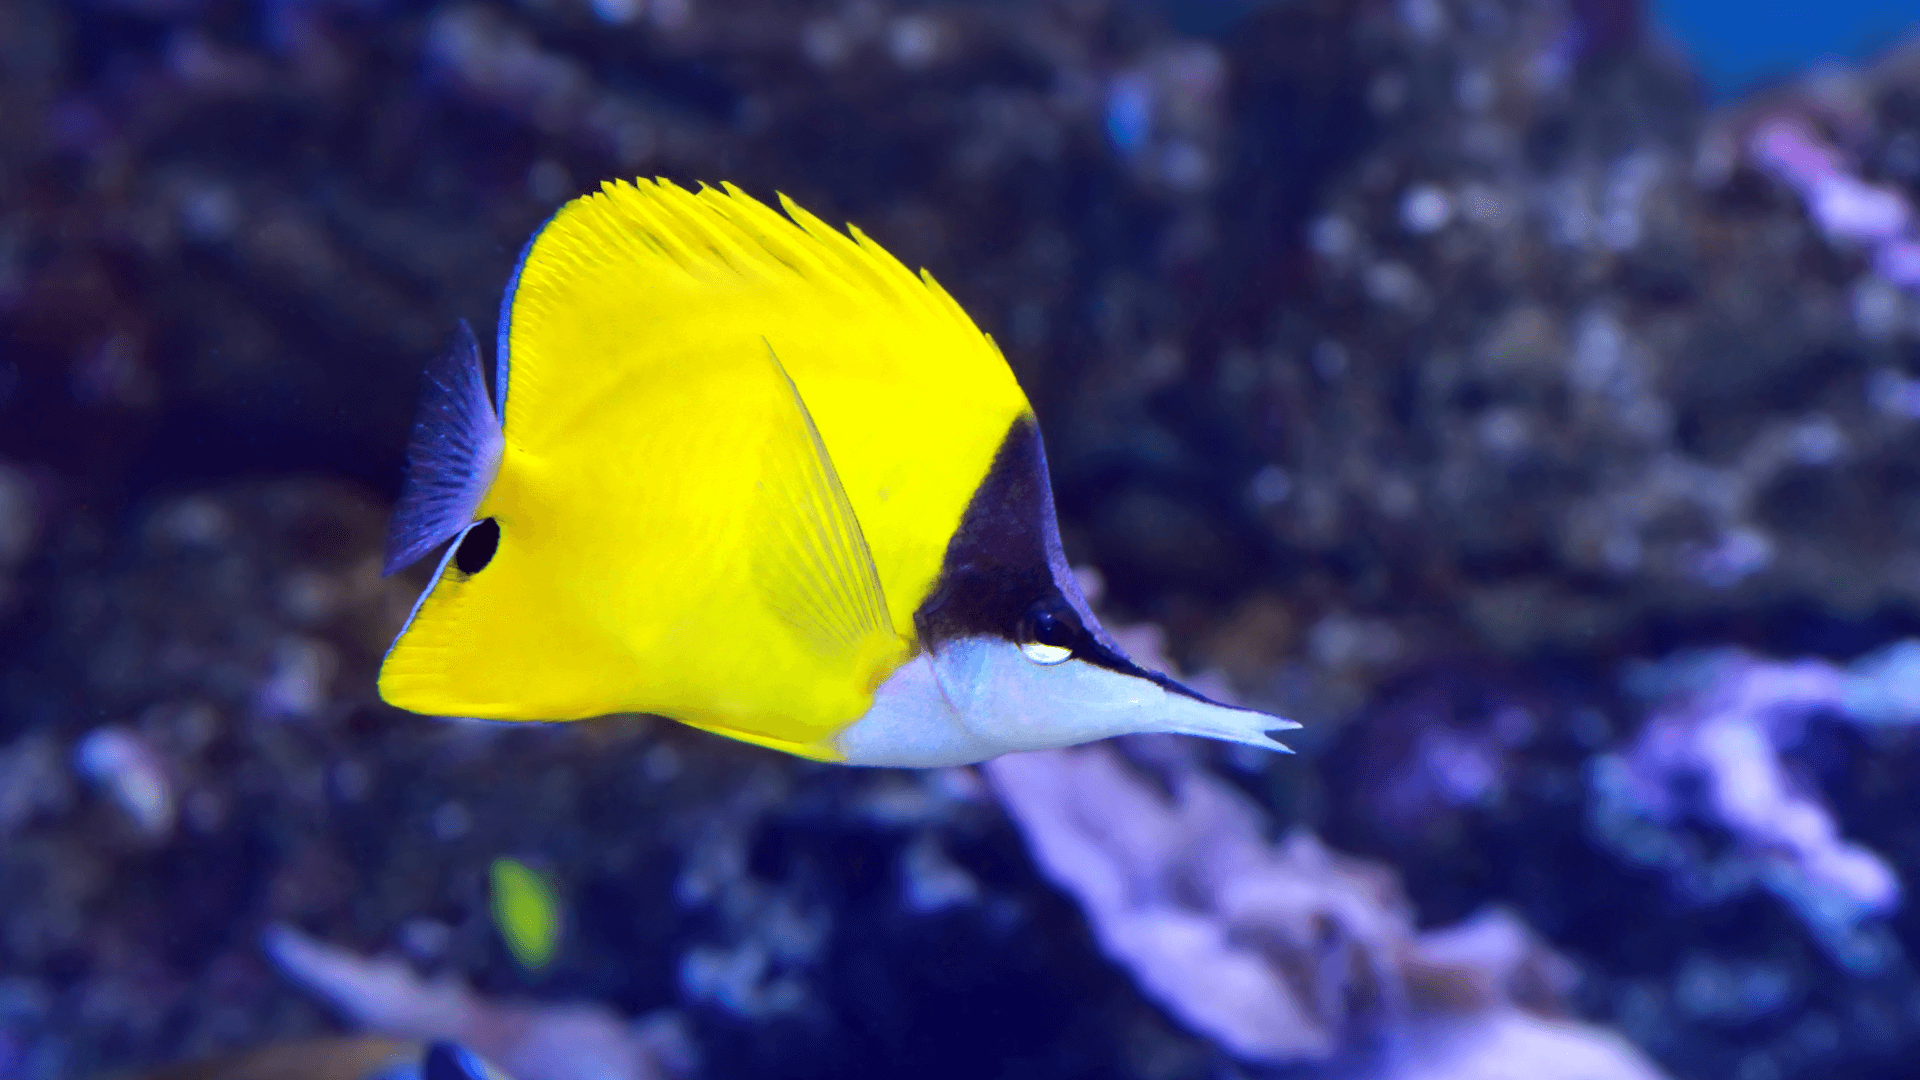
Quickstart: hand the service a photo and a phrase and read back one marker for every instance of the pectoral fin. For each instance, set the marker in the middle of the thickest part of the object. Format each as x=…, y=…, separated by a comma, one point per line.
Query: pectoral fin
x=815, y=570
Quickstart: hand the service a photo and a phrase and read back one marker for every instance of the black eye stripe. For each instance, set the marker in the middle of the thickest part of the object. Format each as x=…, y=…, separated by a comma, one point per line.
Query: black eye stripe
x=477, y=546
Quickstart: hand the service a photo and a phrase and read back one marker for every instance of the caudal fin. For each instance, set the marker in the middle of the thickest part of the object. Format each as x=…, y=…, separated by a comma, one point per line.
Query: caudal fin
x=451, y=459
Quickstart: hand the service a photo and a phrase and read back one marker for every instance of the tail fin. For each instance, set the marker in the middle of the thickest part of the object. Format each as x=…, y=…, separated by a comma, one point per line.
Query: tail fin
x=451, y=459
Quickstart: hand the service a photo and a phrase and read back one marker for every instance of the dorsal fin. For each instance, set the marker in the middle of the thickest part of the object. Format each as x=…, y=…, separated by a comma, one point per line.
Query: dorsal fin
x=451, y=458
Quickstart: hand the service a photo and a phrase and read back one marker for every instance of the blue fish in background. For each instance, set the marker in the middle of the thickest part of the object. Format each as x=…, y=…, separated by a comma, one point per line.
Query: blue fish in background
x=1739, y=44
x=445, y=1061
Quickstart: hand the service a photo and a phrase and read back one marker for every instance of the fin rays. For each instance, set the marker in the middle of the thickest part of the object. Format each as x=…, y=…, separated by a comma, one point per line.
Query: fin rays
x=451, y=458
x=819, y=577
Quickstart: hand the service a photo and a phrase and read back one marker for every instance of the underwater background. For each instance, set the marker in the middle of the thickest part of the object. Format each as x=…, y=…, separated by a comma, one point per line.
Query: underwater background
x=1524, y=395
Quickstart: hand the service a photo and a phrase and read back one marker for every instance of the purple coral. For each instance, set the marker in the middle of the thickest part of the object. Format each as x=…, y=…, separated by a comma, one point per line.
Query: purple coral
x=1846, y=207
x=1288, y=952
x=1715, y=753
x=531, y=1041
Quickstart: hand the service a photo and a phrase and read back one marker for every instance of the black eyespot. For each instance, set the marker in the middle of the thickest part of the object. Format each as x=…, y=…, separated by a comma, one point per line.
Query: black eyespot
x=477, y=547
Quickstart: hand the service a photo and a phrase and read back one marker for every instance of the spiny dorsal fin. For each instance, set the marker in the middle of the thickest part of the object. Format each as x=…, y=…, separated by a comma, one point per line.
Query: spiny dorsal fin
x=451, y=458
x=651, y=254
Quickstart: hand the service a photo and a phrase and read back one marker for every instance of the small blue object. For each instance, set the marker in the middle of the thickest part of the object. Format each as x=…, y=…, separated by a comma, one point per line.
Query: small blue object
x=445, y=1061
x=1737, y=44
x=1129, y=113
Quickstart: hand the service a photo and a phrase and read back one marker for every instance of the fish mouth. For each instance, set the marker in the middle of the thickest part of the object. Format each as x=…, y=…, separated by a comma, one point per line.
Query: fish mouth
x=1100, y=655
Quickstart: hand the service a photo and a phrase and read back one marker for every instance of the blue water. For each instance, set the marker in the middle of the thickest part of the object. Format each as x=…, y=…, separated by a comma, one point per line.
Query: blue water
x=1739, y=44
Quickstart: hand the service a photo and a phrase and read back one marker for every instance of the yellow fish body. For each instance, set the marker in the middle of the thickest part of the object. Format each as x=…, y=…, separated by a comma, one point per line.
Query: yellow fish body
x=752, y=474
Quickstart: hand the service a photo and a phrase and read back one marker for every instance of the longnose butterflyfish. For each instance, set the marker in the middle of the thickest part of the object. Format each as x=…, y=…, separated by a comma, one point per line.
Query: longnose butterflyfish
x=749, y=472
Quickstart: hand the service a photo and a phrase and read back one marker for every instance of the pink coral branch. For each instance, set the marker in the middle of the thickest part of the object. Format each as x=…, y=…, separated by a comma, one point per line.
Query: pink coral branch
x=1846, y=207
x=1288, y=952
x=529, y=1041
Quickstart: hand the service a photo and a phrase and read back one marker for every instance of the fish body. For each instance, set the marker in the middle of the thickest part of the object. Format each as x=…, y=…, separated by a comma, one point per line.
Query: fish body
x=750, y=473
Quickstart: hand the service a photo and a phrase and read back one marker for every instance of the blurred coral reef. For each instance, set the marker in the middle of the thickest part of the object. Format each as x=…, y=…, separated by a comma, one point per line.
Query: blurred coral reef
x=1444, y=374
x=531, y=1042
x=1288, y=952
x=1711, y=752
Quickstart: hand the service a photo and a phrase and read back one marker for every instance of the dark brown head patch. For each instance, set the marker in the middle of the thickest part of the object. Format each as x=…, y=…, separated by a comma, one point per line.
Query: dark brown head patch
x=1004, y=567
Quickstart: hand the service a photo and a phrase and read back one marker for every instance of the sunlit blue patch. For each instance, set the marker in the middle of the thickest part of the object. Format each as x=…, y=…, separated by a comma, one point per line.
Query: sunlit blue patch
x=1129, y=113
x=1737, y=44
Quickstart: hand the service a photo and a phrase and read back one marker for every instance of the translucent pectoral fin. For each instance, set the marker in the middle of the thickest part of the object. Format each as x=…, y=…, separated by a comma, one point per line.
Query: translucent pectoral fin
x=813, y=566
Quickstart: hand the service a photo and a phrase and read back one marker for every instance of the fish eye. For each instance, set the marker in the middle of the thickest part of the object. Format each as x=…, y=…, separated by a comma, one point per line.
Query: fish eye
x=1046, y=638
x=477, y=546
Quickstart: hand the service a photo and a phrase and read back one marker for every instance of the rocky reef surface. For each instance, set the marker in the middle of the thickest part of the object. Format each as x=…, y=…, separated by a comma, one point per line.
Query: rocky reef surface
x=1442, y=373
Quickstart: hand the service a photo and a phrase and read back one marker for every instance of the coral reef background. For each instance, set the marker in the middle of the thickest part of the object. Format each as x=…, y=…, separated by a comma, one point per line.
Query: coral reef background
x=1449, y=375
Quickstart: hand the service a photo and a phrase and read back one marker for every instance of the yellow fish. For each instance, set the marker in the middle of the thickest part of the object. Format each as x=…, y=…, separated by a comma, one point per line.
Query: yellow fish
x=753, y=474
